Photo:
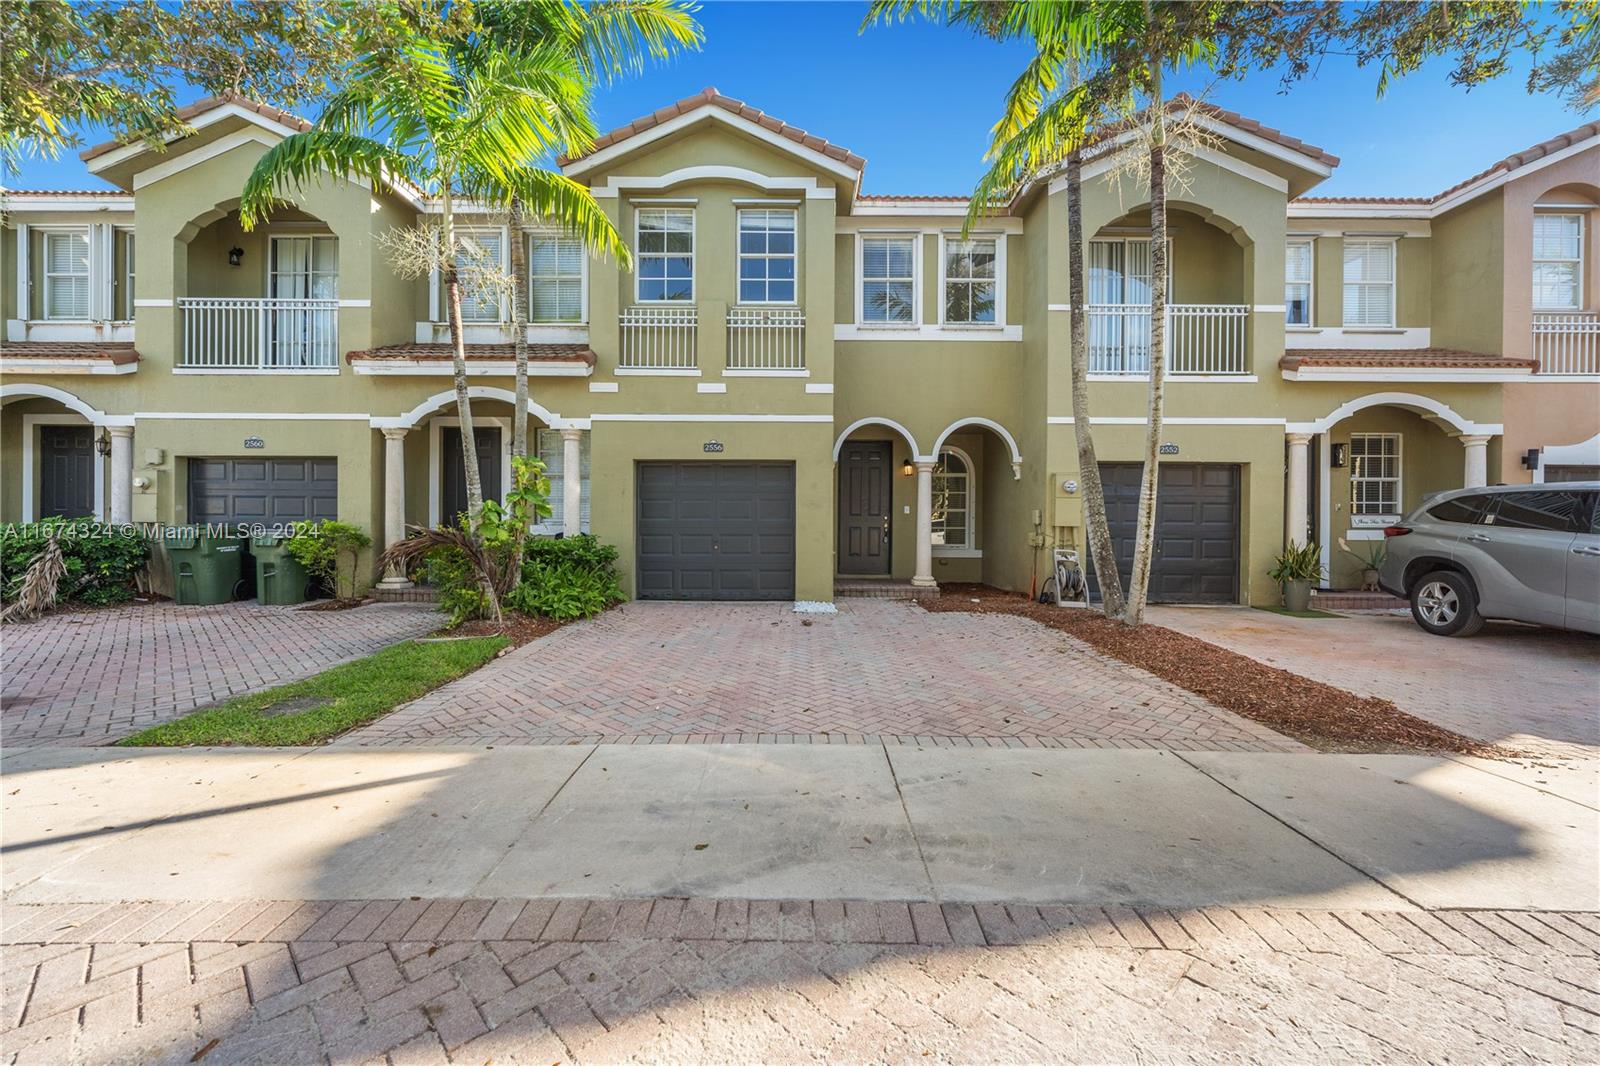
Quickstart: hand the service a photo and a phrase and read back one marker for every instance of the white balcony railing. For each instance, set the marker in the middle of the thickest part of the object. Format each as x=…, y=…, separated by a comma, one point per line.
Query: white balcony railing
x=658, y=338
x=766, y=338
x=1567, y=342
x=267, y=334
x=1201, y=339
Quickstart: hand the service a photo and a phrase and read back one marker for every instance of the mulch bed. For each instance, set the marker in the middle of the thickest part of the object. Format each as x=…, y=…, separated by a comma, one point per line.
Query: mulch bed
x=1318, y=715
x=333, y=605
x=519, y=629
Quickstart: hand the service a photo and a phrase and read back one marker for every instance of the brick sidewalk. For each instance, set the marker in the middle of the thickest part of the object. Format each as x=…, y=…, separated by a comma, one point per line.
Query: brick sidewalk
x=91, y=677
x=732, y=673
x=544, y=981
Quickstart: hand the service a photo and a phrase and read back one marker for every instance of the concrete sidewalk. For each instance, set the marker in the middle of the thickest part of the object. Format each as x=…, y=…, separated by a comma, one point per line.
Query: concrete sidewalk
x=1364, y=832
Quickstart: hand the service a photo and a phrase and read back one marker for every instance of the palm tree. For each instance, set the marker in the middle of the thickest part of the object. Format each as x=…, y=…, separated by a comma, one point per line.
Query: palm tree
x=459, y=123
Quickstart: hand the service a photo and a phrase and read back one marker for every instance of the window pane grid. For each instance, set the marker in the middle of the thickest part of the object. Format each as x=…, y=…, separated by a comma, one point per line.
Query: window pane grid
x=666, y=255
x=1369, y=283
x=66, y=276
x=969, y=281
x=888, y=279
x=1297, y=283
x=481, y=251
x=1557, y=261
x=1374, y=473
x=951, y=502
x=555, y=279
x=767, y=256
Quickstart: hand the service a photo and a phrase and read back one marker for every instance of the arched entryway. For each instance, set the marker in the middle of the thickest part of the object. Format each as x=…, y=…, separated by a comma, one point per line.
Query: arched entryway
x=63, y=457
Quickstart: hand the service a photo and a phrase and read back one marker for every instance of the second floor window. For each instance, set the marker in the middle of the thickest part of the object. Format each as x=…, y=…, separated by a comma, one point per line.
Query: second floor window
x=766, y=256
x=1557, y=262
x=1368, y=282
x=555, y=278
x=666, y=255
x=66, y=276
x=888, y=279
x=478, y=259
x=1297, y=284
x=124, y=302
x=1374, y=473
x=969, y=281
x=304, y=268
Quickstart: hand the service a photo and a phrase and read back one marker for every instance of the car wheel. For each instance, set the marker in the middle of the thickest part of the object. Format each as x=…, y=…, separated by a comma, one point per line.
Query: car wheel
x=1444, y=604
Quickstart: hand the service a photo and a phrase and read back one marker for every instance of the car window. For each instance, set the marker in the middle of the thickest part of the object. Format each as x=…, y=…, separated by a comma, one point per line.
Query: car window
x=1555, y=511
x=1465, y=509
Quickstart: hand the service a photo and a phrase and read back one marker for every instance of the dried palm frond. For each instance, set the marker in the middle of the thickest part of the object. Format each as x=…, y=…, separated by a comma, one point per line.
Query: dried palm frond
x=41, y=585
x=492, y=569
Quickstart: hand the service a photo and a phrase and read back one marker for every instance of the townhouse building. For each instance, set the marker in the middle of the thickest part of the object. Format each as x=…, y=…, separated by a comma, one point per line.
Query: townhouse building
x=798, y=388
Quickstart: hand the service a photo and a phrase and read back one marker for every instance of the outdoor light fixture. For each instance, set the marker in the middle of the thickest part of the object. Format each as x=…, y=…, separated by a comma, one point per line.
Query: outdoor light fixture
x=235, y=256
x=1530, y=459
x=1337, y=454
x=909, y=468
x=103, y=443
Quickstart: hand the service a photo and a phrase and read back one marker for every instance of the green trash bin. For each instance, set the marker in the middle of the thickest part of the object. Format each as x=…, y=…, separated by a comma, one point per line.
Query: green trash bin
x=280, y=579
x=206, y=569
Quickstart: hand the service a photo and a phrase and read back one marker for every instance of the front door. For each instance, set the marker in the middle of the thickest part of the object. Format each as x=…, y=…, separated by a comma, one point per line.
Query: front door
x=453, y=471
x=866, y=481
x=66, y=468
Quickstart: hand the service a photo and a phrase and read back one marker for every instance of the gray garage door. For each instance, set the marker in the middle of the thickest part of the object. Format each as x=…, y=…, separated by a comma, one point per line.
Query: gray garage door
x=1197, y=529
x=268, y=491
x=716, y=531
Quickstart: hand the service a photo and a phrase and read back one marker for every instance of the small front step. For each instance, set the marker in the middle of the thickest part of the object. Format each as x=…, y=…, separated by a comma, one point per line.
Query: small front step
x=881, y=590
x=414, y=594
x=1355, y=600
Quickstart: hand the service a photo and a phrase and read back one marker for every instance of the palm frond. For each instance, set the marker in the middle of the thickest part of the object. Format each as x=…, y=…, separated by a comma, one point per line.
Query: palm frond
x=619, y=37
x=302, y=158
x=557, y=199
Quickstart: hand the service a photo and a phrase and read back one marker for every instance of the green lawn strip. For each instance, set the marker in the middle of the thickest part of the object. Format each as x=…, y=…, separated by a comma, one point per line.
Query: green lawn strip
x=1299, y=614
x=355, y=694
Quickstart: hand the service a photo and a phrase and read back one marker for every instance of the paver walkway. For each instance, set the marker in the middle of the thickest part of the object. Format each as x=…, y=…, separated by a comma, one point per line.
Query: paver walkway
x=1531, y=688
x=713, y=981
x=731, y=672
x=92, y=677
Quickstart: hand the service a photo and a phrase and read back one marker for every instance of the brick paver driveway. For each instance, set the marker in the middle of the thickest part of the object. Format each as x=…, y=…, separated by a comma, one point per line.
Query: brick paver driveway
x=1533, y=689
x=92, y=677
x=729, y=673
x=715, y=981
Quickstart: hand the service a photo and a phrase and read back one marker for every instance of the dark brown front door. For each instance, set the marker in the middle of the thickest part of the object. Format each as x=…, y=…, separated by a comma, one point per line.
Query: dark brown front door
x=866, y=481
x=66, y=468
x=453, y=491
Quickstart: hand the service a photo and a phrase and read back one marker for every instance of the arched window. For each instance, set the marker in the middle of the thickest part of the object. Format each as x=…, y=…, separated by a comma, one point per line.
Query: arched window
x=953, y=501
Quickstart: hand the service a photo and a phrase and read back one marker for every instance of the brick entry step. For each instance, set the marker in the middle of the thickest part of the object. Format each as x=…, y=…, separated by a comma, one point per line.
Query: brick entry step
x=869, y=589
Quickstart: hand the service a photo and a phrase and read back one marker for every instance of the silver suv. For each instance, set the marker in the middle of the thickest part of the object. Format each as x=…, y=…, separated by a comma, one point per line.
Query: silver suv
x=1529, y=553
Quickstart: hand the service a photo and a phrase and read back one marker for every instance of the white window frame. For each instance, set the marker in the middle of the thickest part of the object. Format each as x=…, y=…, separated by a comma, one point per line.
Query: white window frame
x=970, y=548
x=554, y=523
x=505, y=253
x=273, y=258
x=1398, y=480
x=529, y=237
x=122, y=292
x=915, y=237
x=999, y=239
x=694, y=248
x=741, y=256
x=1393, y=282
x=1310, y=283
x=1583, y=236
x=47, y=273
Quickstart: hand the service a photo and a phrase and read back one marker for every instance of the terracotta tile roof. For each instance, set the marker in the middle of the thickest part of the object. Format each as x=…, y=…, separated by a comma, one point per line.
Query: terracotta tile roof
x=898, y=198
x=118, y=353
x=709, y=97
x=1405, y=358
x=1511, y=162
x=1184, y=101
x=542, y=353
x=99, y=194
x=200, y=107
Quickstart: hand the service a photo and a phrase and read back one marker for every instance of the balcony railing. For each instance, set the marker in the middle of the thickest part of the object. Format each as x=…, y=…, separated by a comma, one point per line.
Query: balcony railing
x=1201, y=339
x=761, y=338
x=1567, y=342
x=658, y=338
x=267, y=334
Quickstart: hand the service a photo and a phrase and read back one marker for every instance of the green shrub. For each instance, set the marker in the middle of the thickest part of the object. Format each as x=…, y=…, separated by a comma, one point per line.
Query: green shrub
x=574, y=577
x=583, y=551
x=103, y=562
x=321, y=546
x=461, y=596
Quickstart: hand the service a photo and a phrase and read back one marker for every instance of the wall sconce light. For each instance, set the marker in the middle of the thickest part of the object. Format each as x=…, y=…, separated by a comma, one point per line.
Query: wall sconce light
x=1337, y=456
x=908, y=468
x=1530, y=459
x=235, y=256
x=102, y=444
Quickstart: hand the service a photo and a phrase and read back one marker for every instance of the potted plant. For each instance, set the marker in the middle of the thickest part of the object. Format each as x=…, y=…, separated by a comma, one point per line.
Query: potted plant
x=1371, y=559
x=1295, y=570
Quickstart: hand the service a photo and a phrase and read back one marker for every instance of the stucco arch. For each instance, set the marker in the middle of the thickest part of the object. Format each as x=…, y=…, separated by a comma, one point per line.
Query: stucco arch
x=433, y=403
x=65, y=399
x=889, y=423
x=1424, y=405
x=715, y=172
x=988, y=423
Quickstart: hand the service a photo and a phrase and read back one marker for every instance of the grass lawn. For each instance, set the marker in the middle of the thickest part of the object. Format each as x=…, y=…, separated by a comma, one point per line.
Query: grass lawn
x=327, y=704
x=1298, y=614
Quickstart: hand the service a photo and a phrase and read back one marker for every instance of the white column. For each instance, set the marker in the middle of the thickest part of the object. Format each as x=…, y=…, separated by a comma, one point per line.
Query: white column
x=1475, y=468
x=394, y=500
x=121, y=474
x=1298, y=515
x=924, y=574
x=571, y=482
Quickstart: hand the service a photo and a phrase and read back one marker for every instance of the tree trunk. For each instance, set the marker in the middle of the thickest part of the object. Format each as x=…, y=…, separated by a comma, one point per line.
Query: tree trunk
x=1096, y=529
x=1144, y=534
x=519, y=328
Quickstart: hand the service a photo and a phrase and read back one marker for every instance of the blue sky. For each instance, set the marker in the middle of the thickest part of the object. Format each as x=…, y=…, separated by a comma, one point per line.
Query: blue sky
x=918, y=100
